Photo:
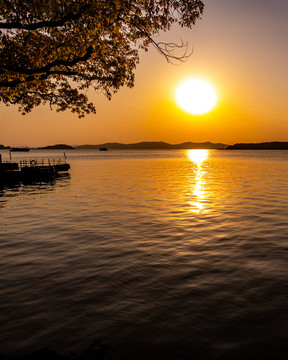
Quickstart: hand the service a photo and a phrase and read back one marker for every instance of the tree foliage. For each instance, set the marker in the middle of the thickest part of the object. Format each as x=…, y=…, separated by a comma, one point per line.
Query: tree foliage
x=52, y=51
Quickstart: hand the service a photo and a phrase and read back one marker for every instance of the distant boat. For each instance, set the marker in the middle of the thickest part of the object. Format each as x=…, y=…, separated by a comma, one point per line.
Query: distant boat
x=20, y=149
x=103, y=148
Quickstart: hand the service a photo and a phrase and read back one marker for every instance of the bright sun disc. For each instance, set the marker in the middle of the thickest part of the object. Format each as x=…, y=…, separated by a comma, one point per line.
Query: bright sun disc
x=196, y=97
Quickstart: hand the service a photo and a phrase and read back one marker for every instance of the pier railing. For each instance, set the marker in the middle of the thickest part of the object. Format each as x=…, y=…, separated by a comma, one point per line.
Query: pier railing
x=41, y=162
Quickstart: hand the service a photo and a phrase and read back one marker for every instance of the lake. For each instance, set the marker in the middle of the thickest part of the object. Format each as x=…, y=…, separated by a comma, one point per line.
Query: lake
x=170, y=254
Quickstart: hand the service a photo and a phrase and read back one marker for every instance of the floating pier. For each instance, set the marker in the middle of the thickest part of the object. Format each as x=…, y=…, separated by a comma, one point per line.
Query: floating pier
x=33, y=170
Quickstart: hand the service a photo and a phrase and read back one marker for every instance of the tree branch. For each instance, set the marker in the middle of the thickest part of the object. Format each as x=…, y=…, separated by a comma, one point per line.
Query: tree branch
x=44, y=23
x=45, y=70
x=167, y=49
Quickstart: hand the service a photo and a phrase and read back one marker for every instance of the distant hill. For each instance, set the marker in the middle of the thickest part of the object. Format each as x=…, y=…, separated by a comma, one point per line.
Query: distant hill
x=2, y=147
x=57, y=146
x=155, y=145
x=274, y=145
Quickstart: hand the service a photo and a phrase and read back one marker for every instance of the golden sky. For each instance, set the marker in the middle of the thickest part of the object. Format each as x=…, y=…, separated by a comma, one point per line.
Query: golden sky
x=239, y=46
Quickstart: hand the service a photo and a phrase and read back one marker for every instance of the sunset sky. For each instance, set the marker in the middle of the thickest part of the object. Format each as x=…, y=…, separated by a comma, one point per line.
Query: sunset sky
x=239, y=47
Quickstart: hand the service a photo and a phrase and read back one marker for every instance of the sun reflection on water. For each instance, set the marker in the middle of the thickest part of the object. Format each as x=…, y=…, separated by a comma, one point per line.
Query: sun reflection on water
x=198, y=194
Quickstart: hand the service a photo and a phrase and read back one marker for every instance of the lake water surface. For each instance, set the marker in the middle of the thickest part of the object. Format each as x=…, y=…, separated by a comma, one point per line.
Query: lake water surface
x=156, y=254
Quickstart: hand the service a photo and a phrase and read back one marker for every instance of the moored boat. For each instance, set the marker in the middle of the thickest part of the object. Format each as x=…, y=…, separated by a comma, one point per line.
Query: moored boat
x=9, y=172
x=31, y=170
x=20, y=149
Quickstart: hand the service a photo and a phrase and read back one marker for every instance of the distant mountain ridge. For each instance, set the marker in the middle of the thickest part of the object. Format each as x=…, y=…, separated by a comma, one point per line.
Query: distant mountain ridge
x=161, y=145
x=150, y=145
x=273, y=145
x=3, y=147
x=57, y=146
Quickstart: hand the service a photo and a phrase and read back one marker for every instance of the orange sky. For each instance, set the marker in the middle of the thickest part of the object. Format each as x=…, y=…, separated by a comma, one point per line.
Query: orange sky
x=240, y=47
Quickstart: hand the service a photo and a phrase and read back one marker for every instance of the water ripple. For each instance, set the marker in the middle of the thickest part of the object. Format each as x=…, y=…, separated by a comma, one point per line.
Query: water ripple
x=161, y=254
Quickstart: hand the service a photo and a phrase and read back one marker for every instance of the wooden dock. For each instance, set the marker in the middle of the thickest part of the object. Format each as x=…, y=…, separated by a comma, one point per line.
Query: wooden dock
x=33, y=170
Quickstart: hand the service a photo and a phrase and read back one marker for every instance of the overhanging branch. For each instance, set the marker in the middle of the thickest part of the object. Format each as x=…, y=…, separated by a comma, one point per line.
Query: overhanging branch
x=45, y=70
x=44, y=23
x=167, y=49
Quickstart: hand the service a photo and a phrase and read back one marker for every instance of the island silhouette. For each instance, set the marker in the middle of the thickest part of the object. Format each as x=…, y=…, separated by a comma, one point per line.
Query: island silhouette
x=160, y=145
x=274, y=145
x=154, y=145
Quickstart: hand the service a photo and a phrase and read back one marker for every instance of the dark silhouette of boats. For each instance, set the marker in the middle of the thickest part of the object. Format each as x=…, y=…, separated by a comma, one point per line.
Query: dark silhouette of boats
x=27, y=171
x=9, y=173
x=103, y=148
x=20, y=149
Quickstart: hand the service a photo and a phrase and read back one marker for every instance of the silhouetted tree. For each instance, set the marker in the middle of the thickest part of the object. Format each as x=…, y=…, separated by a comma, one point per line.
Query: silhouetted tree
x=52, y=50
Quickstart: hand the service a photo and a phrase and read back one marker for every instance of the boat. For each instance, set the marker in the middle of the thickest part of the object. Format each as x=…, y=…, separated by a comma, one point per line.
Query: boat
x=9, y=172
x=19, y=149
x=27, y=171
x=103, y=148
x=37, y=169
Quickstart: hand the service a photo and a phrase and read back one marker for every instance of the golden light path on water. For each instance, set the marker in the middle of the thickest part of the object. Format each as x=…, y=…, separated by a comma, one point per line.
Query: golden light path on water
x=198, y=193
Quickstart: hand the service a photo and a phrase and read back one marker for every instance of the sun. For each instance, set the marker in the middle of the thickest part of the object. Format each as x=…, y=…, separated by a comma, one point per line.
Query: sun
x=196, y=96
